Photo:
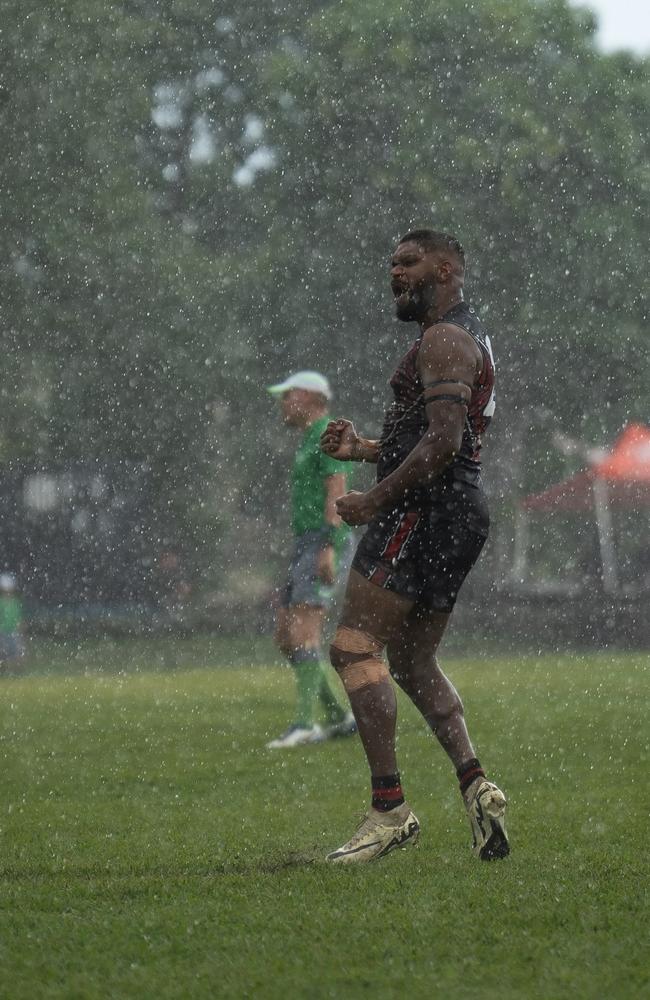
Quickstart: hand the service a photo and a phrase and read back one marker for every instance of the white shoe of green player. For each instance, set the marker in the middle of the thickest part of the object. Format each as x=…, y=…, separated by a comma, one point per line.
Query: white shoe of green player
x=486, y=809
x=346, y=727
x=296, y=736
x=379, y=833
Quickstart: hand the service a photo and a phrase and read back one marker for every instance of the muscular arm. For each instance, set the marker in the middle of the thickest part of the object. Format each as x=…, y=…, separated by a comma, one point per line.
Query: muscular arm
x=448, y=355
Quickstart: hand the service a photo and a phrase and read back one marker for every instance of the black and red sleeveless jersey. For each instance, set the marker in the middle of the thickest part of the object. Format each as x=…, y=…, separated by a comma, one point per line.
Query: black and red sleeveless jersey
x=406, y=420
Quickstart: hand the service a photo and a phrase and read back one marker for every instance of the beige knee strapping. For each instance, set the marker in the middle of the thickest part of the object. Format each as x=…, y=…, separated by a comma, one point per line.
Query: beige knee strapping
x=356, y=655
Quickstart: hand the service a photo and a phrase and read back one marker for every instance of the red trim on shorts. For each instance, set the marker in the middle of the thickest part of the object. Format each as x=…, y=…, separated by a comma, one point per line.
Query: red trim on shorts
x=380, y=577
x=394, y=547
x=401, y=535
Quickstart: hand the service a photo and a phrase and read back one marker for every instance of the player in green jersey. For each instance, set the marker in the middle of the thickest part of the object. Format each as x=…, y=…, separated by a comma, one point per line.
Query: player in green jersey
x=12, y=645
x=320, y=539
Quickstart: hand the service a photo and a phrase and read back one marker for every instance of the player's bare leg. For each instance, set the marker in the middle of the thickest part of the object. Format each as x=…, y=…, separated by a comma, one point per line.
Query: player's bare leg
x=281, y=635
x=413, y=664
x=370, y=617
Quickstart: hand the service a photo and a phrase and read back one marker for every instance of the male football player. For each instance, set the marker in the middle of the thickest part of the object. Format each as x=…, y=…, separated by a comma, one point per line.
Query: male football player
x=427, y=522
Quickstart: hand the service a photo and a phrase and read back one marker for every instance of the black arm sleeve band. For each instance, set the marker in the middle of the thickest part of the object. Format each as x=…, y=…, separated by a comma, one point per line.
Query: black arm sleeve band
x=449, y=399
x=447, y=381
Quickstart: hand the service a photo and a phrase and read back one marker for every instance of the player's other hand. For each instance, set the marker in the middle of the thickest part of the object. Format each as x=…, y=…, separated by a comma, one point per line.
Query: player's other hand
x=339, y=439
x=356, y=508
x=326, y=567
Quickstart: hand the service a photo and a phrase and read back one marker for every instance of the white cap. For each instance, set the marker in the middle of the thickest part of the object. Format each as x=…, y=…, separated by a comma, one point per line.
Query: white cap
x=310, y=381
x=7, y=581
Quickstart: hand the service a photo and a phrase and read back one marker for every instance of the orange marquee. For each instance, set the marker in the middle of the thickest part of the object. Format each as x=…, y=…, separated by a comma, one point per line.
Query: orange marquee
x=630, y=457
x=625, y=472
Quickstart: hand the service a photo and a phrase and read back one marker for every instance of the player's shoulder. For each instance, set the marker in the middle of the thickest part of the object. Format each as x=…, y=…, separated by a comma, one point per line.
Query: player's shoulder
x=446, y=339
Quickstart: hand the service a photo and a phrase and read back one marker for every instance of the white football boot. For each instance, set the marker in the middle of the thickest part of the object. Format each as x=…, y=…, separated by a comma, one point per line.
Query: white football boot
x=296, y=736
x=379, y=833
x=346, y=727
x=486, y=809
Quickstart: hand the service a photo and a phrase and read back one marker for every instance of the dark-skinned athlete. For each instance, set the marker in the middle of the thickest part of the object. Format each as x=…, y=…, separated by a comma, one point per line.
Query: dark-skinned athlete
x=427, y=521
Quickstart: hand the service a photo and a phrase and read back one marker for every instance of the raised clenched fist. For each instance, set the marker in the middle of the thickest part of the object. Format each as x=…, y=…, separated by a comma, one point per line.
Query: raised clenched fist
x=339, y=439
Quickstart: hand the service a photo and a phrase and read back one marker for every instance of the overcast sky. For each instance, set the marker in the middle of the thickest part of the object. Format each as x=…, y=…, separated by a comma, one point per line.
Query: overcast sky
x=624, y=24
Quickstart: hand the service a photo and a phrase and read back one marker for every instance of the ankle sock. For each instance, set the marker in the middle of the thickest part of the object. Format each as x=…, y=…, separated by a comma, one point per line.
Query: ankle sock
x=387, y=792
x=469, y=772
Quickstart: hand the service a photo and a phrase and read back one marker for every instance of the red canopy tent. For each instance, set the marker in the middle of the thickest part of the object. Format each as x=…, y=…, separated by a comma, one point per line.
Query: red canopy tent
x=618, y=481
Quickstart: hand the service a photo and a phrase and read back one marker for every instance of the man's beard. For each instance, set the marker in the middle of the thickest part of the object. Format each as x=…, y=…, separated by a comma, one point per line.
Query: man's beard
x=412, y=307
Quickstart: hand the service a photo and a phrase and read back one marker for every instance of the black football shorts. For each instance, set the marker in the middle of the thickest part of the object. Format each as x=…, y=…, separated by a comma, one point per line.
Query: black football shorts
x=425, y=554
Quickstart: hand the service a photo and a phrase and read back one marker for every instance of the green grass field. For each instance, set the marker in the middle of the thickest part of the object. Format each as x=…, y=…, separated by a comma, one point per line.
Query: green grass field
x=150, y=846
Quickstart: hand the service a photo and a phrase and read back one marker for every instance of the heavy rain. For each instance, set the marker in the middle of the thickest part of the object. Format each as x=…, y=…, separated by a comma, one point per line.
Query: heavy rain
x=225, y=228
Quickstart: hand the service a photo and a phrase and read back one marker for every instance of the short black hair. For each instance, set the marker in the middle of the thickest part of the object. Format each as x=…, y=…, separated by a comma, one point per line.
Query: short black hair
x=430, y=239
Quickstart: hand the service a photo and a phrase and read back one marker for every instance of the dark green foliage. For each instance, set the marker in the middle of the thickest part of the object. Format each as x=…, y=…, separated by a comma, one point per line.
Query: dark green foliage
x=148, y=294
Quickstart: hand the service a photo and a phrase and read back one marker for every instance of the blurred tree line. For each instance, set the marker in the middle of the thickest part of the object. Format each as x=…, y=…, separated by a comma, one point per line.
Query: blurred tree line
x=199, y=199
